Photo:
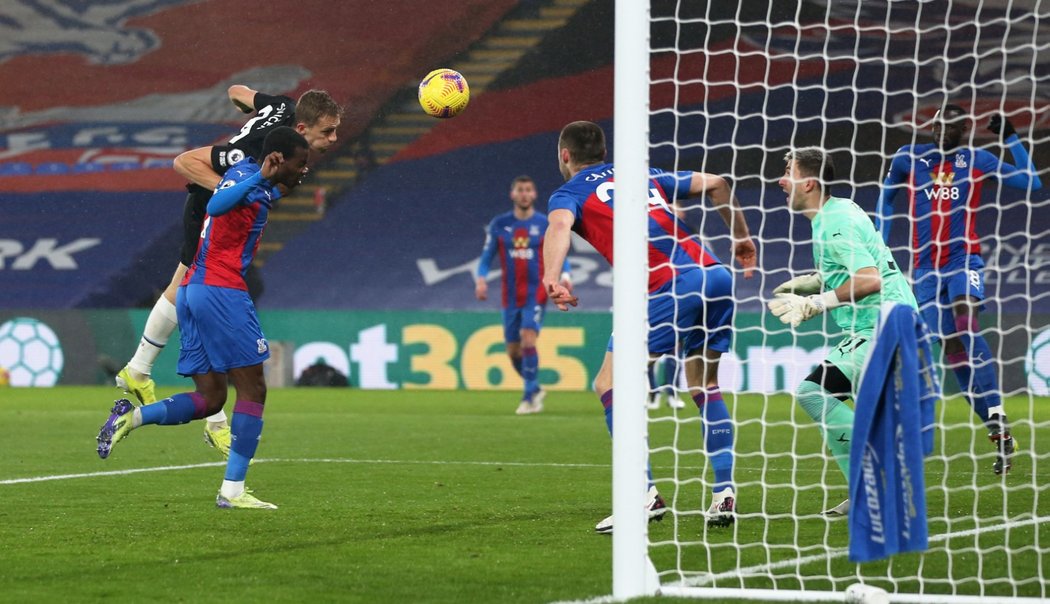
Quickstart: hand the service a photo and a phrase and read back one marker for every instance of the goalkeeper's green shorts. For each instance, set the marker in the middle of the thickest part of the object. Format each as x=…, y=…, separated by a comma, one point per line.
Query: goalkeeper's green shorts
x=849, y=356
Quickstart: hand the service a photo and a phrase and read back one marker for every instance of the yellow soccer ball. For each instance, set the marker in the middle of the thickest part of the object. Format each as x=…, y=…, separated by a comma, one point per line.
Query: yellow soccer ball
x=444, y=93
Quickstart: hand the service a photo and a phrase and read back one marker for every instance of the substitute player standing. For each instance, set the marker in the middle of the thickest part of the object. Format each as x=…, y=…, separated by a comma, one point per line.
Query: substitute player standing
x=855, y=274
x=316, y=116
x=517, y=237
x=679, y=268
x=944, y=181
x=220, y=332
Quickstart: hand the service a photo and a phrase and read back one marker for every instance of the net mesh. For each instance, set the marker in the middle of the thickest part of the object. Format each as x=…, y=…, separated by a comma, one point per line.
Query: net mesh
x=733, y=87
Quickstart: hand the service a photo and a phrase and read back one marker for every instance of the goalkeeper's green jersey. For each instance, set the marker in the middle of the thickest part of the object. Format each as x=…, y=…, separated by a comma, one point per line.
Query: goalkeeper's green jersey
x=845, y=241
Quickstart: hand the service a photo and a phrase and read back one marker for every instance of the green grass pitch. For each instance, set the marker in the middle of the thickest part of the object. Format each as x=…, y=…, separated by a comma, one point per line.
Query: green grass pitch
x=449, y=497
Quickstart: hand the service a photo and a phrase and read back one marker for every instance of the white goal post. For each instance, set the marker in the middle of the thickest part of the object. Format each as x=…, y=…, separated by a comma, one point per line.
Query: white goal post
x=729, y=88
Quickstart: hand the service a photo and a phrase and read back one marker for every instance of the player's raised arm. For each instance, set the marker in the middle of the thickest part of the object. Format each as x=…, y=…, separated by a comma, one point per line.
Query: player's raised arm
x=1023, y=175
x=195, y=166
x=243, y=97
x=481, y=285
x=728, y=206
x=895, y=176
x=555, y=249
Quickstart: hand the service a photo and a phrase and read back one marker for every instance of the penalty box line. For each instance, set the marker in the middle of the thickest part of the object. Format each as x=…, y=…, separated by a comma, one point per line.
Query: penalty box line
x=212, y=464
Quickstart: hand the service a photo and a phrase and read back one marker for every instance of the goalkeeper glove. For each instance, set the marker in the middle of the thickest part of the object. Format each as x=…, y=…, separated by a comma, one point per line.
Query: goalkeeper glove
x=1000, y=125
x=804, y=285
x=793, y=309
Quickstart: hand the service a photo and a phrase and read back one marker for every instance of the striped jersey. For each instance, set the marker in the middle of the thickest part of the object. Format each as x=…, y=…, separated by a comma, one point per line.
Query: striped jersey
x=943, y=193
x=673, y=248
x=228, y=242
x=519, y=246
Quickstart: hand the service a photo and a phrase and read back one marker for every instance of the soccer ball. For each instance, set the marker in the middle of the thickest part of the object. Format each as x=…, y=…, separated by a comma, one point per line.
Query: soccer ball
x=1037, y=364
x=444, y=93
x=31, y=352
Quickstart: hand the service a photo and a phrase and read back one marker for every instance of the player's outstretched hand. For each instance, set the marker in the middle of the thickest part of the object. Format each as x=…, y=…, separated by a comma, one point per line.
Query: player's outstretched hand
x=271, y=163
x=561, y=296
x=792, y=309
x=1000, y=125
x=481, y=289
x=803, y=285
x=744, y=250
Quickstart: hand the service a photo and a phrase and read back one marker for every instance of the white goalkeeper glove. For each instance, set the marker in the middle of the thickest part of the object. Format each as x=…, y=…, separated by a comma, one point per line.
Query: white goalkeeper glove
x=793, y=309
x=803, y=285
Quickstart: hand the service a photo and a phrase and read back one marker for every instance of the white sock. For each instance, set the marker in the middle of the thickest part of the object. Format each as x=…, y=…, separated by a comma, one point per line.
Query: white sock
x=218, y=418
x=161, y=323
x=231, y=488
x=136, y=418
x=997, y=410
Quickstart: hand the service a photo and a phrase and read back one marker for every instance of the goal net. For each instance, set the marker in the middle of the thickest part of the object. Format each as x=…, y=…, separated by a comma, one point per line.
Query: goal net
x=731, y=87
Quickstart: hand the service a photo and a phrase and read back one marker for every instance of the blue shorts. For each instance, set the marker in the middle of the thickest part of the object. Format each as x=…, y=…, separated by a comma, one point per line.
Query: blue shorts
x=219, y=330
x=517, y=318
x=692, y=312
x=937, y=288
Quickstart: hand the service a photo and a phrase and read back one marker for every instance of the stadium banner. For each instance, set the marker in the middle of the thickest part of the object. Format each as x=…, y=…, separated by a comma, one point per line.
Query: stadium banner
x=448, y=350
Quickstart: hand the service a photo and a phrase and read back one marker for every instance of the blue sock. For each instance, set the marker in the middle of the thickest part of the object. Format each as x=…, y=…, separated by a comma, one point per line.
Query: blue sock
x=718, y=435
x=984, y=391
x=246, y=427
x=670, y=377
x=516, y=362
x=960, y=366
x=607, y=400
x=179, y=409
x=530, y=365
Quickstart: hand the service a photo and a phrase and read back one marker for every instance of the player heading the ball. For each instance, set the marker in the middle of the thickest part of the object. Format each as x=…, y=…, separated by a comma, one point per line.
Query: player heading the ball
x=221, y=339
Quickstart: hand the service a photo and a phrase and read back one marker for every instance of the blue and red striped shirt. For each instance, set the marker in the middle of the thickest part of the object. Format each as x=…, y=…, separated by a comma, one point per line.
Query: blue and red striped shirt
x=673, y=248
x=519, y=246
x=229, y=241
x=944, y=191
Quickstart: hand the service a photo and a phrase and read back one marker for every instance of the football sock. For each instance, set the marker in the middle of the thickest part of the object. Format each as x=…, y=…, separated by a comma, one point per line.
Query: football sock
x=975, y=368
x=607, y=400
x=246, y=428
x=173, y=411
x=530, y=362
x=670, y=378
x=161, y=323
x=607, y=403
x=833, y=417
x=718, y=435
x=516, y=362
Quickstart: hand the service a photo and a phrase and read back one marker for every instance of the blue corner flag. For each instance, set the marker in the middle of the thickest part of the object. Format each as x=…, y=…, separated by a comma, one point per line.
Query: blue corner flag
x=892, y=432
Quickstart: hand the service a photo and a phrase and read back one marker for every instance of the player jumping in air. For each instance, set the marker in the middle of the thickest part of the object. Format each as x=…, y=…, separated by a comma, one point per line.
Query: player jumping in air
x=220, y=334
x=316, y=116
x=944, y=181
x=699, y=325
x=517, y=236
x=855, y=274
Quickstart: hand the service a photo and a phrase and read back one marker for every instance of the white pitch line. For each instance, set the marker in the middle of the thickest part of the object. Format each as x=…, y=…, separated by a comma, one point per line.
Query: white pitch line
x=762, y=569
x=212, y=464
x=209, y=464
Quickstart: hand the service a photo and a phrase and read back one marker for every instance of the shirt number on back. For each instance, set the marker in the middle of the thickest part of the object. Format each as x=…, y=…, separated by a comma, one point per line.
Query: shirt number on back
x=247, y=127
x=606, y=189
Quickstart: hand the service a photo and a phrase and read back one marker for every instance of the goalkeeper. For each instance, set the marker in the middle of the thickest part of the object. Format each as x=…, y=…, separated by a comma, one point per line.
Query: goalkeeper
x=855, y=274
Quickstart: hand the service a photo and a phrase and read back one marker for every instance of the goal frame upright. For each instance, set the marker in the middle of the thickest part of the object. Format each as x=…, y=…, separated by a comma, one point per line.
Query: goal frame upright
x=631, y=565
